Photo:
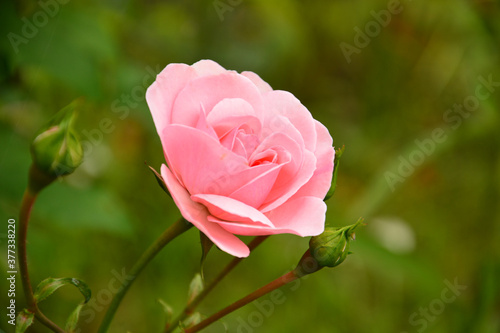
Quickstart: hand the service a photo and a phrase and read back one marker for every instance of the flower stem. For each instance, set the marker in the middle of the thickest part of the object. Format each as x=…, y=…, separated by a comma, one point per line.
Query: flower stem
x=279, y=282
x=172, y=232
x=197, y=300
x=24, y=216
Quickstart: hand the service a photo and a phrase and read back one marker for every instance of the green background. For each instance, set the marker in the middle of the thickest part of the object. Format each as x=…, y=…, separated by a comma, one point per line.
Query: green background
x=436, y=224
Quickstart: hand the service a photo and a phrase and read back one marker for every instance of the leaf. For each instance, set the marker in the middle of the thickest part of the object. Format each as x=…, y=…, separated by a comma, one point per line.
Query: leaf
x=338, y=154
x=73, y=318
x=195, y=287
x=48, y=286
x=206, y=245
x=160, y=180
x=168, y=311
x=24, y=320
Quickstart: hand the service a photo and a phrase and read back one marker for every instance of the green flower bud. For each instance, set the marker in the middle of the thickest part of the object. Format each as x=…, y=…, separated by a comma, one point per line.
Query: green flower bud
x=56, y=150
x=332, y=247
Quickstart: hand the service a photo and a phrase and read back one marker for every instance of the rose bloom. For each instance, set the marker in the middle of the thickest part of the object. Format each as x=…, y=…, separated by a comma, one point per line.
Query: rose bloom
x=243, y=159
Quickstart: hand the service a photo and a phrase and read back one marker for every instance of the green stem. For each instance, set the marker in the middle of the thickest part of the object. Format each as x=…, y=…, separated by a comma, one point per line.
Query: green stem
x=24, y=216
x=194, y=303
x=172, y=232
x=279, y=282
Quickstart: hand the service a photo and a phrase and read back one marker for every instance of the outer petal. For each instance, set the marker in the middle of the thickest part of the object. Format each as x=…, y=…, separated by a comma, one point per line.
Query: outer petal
x=210, y=90
x=256, y=79
x=197, y=159
x=162, y=93
x=320, y=182
x=208, y=67
x=287, y=105
x=231, y=210
x=197, y=214
x=304, y=216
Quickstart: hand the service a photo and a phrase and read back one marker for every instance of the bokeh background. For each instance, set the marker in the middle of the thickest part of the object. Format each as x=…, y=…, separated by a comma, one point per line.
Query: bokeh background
x=432, y=221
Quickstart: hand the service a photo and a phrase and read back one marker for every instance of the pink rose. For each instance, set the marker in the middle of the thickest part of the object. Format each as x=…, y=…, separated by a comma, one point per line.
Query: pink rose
x=243, y=159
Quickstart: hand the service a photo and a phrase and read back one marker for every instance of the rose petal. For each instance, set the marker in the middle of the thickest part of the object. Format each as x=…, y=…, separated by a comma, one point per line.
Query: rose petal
x=231, y=113
x=210, y=90
x=298, y=167
x=229, y=108
x=289, y=145
x=227, y=184
x=255, y=192
x=232, y=210
x=304, y=216
x=279, y=194
x=208, y=67
x=256, y=79
x=161, y=95
x=238, y=136
x=197, y=214
x=197, y=159
x=285, y=104
x=274, y=123
x=320, y=182
x=204, y=126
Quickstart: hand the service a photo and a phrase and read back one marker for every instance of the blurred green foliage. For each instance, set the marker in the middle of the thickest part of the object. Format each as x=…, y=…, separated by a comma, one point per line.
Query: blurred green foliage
x=440, y=223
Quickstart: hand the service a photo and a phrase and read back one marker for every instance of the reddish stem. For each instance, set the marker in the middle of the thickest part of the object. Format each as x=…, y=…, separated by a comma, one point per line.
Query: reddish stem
x=24, y=216
x=279, y=282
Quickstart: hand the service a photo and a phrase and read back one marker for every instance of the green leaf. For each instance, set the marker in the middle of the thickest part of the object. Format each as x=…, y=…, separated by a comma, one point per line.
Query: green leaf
x=160, y=180
x=73, y=318
x=195, y=288
x=48, y=286
x=24, y=320
x=338, y=155
x=168, y=311
x=206, y=245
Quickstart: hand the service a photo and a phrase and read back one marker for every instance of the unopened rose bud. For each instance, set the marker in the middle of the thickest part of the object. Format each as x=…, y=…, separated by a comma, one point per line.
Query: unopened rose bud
x=332, y=247
x=56, y=150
